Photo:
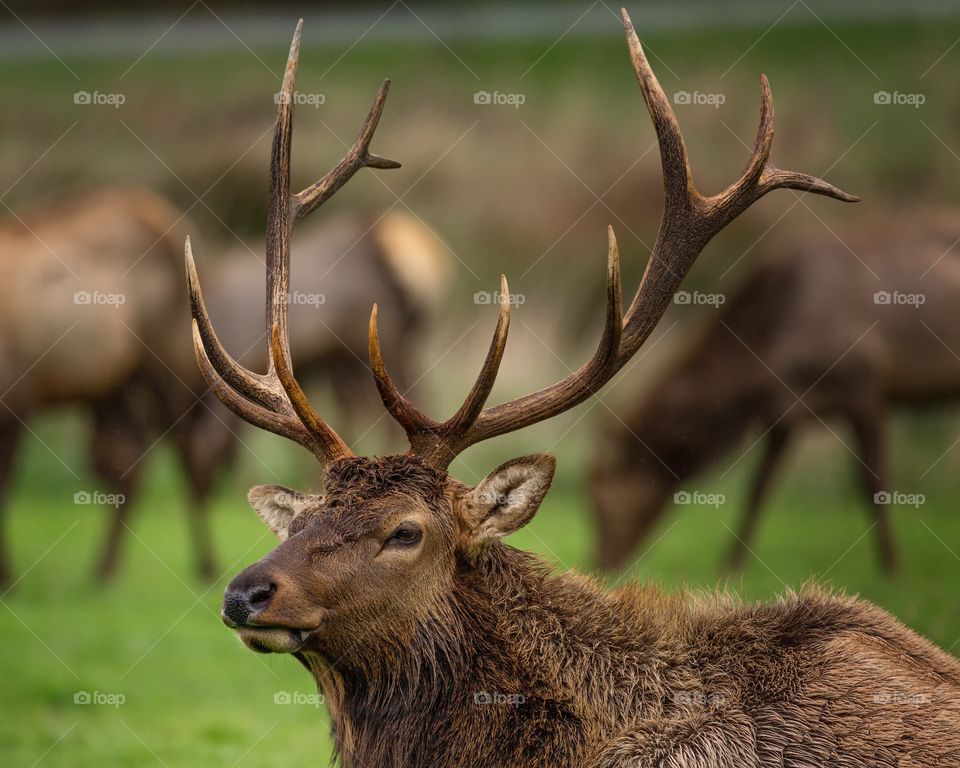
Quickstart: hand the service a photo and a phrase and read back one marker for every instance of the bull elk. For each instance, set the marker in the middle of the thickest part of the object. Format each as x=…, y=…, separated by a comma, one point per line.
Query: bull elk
x=812, y=336
x=436, y=644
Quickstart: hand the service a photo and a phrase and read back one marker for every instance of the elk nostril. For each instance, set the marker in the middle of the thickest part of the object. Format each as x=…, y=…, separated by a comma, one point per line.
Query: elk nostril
x=235, y=608
x=259, y=596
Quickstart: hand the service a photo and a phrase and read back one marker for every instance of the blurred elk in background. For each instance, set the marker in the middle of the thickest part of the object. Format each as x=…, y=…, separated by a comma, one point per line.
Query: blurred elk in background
x=99, y=336
x=107, y=269
x=821, y=331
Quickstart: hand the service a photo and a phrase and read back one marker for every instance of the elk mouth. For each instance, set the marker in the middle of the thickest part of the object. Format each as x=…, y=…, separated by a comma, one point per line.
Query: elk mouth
x=272, y=639
x=269, y=639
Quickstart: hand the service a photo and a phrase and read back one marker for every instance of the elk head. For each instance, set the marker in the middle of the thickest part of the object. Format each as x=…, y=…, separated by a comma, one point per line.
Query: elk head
x=387, y=546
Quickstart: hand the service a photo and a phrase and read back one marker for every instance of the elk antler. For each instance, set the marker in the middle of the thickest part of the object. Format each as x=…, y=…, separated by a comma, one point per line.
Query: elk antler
x=275, y=401
x=689, y=221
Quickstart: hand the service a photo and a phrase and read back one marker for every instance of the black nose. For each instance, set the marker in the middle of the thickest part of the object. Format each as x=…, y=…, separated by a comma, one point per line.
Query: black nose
x=245, y=597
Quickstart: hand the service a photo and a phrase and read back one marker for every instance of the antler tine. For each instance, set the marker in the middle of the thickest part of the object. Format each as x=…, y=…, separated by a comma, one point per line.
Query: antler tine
x=278, y=423
x=247, y=383
x=407, y=415
x=329, y=442
x=275, y=401
x=688, y=223
x=679, y=189
x=279, y=221
x=458, y=424
x=760, y=176
x=357, y=157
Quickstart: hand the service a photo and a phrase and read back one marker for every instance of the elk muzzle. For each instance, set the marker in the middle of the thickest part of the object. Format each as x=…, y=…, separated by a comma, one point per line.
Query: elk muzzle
x=258, y=604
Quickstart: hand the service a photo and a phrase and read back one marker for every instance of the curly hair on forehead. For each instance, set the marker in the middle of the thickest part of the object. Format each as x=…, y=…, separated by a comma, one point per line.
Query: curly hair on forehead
x=362, y=477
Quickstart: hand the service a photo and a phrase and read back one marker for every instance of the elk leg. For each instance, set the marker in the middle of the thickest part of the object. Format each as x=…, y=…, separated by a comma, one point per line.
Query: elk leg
x=10, y=435
x=868, y=428
x=206, y=445
x=118, y=445
x=773, y=455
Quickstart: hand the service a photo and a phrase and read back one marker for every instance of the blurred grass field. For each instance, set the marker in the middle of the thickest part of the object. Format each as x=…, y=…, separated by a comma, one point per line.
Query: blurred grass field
x=193, y=695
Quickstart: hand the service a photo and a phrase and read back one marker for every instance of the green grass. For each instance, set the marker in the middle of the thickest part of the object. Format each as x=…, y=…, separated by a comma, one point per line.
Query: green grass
x=195, y=697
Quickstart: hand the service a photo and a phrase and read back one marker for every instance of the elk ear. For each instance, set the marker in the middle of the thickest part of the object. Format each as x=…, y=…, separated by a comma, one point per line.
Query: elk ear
x=506, y=499
x=277, y=506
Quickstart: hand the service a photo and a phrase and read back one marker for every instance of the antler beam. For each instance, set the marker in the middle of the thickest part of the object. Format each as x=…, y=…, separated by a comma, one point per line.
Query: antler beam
x=275, y=401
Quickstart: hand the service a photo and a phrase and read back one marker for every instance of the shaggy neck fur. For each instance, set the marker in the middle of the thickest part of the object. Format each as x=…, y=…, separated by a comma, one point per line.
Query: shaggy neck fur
x=507, y=658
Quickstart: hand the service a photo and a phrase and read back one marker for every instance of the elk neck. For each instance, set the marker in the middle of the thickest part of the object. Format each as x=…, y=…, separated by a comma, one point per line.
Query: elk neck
x=504, y=663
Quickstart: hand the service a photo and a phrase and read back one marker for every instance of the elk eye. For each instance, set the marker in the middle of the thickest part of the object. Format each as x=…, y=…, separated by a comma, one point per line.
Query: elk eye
x=406, y=535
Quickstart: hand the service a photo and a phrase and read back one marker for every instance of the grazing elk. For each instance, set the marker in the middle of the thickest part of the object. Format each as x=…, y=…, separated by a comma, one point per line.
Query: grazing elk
x=436, y=644
x=851, y=337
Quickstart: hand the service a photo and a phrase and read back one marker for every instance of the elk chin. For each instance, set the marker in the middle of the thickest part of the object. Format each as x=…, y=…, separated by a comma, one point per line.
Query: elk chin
x=272, y=639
